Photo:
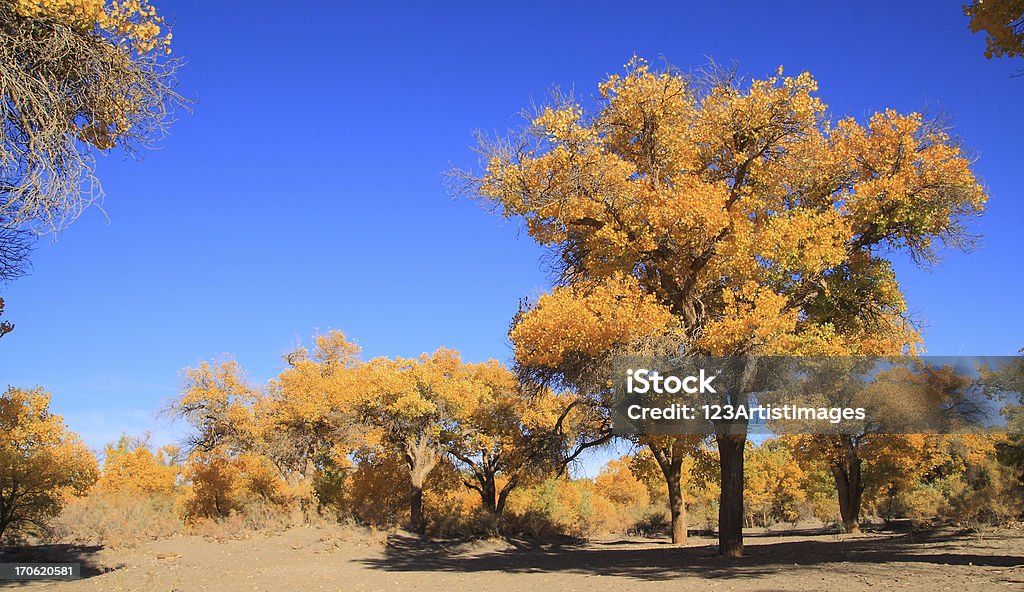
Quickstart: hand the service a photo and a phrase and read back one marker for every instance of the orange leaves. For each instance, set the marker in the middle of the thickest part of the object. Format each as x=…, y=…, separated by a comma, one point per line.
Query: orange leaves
x=586, y=321
x=132, y=22
x=617, y=482
x=314, y=388
x=806, y=241
x=752, y=317
x=42, y=463
x=773, y=483
x=912, y=183
x=32, y=434
x=133, y=470
x=1003, y=23
x=739, y=208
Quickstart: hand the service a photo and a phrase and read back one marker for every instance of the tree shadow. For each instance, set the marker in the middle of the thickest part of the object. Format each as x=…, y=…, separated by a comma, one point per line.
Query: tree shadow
x=87, y=556
x=664, y=562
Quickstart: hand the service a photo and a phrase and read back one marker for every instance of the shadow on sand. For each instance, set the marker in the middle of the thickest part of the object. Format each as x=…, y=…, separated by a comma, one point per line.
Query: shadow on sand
x=660, y=561
x=87, y=556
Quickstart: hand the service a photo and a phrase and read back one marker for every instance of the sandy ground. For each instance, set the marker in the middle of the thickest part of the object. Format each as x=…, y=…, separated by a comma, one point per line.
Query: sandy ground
x=332, y=559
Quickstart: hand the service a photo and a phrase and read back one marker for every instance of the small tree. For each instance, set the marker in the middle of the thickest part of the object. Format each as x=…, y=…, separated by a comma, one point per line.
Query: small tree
x=308, y=422
x=773, y=483
x=407, y=402
x=41, y=463
x=500, y=434
x=130, y=467
x=864, y=463
x=670, y=453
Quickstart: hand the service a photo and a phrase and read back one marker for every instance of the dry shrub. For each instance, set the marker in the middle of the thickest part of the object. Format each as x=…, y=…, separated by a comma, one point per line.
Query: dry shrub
x=530, y=523
x=115, y=520
x=570, y=507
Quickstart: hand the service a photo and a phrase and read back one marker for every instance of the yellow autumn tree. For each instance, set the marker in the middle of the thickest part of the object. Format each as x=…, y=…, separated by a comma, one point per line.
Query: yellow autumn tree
x=42, y=463
x=218, y=402
x=131, y=468
x=670, y=453
x=408, y=403
x=229, y=465
x=376, y=491
x=219, y=485
x=735, y=218
x=617, y=482
x=773, y=484
x=500, y=433
x=308, y=422
x=871, y=463
x=685, y=464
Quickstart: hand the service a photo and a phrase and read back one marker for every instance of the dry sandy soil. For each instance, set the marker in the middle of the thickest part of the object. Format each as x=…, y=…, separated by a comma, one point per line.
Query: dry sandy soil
x=335, y=559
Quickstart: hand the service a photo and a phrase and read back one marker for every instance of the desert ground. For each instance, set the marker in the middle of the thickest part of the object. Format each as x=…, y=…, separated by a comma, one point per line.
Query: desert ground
x=330, y=558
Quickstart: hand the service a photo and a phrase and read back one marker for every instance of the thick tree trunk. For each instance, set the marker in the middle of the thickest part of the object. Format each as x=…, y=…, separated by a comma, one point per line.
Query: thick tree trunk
x=492, y=499
x=730, y=506
x=421, y=458
x=416, y=522
x=489, y=494
x=847, y=473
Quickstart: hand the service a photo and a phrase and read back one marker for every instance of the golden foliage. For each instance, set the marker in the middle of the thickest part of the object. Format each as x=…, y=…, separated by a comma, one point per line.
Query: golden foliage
x=221, y=485
x=740, y=217
x=586, y=321
x=42, y=463
x=773, y=484
x=617, y=483
x=133, y=22
x=1003, y=24
x=130, y=468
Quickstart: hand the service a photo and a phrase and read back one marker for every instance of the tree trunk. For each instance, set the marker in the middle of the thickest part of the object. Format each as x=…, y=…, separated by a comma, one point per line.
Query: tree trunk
x=847, y=473
x=503, y=495
x=670, y=460
x=420, y=456
x=677, y=507
x=489, y=494
x=730, y=504
x=416, y=522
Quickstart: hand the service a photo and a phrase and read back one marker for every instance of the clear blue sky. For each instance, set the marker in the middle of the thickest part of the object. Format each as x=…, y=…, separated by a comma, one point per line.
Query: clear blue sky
x=306, y=191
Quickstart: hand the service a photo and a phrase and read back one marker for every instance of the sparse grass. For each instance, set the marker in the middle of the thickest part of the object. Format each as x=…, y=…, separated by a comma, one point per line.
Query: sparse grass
x=115, y=520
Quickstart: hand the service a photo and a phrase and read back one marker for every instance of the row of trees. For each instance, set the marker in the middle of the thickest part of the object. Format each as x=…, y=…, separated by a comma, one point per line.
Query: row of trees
x=686, y=215
x=329, y=407
x=470, y=488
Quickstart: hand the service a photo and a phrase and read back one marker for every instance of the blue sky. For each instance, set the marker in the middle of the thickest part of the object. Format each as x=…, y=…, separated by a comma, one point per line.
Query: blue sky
x=306, y=190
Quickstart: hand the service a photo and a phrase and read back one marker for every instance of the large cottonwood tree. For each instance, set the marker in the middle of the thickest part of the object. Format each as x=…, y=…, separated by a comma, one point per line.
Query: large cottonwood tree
x=735, y=218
